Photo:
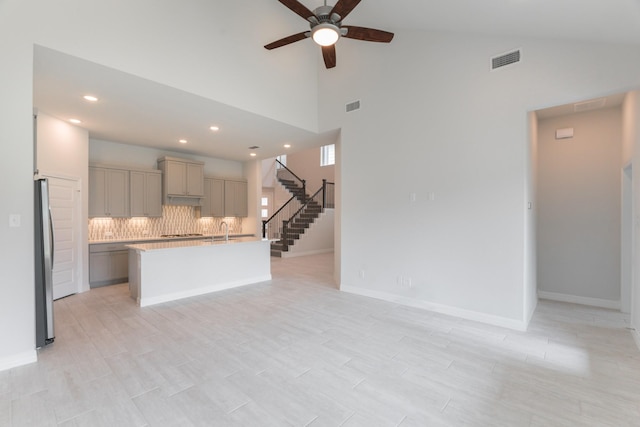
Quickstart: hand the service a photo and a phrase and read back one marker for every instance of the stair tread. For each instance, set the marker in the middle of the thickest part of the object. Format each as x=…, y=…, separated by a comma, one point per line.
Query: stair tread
x=305, y=218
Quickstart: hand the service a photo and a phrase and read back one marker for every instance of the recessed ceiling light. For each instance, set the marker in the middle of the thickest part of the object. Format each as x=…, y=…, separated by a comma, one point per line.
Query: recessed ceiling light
x=287, y=145
x=90, y=98
x=214, y=128
x=253, y=154
x=182, y=141
x=75, y=121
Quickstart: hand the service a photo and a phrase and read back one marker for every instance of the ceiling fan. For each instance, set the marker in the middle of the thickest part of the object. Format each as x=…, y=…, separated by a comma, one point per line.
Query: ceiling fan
x=326, y=28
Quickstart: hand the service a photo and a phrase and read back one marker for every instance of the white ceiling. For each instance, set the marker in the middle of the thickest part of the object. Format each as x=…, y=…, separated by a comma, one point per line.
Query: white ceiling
x=141, y=112
x=137, y=111
x=615, y=21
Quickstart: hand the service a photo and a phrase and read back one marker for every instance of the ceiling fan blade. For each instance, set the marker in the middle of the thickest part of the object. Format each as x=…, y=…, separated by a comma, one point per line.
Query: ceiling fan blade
x=287, y=40
x=329, y=55
x=297, y=8
x=368, y=34
x=344, y=7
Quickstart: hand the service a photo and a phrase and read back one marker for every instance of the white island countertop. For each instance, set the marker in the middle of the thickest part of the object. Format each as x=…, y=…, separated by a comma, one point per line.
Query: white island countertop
x=166, y=271
x=154, y=246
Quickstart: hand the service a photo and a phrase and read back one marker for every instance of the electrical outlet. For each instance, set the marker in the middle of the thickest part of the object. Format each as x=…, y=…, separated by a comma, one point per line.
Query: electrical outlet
x=406, y=282
x=15, y=220
x=362, y=274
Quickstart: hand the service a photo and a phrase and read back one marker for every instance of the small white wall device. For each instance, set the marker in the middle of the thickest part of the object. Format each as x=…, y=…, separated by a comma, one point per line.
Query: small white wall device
x=565, y=133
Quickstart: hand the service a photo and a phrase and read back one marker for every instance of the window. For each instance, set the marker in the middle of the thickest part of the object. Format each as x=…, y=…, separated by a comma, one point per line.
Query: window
x=328, y=155
x=282, y=159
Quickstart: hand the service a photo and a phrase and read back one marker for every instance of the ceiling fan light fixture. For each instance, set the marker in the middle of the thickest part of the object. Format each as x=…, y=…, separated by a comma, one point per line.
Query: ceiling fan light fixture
x=325, y=34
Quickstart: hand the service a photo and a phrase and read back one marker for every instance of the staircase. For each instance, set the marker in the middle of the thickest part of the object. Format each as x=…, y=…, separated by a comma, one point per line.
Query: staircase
x=310, y=210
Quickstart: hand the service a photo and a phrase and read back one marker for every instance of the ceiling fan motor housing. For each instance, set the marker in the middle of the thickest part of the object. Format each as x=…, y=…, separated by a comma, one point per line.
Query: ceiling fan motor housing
x=323, y=15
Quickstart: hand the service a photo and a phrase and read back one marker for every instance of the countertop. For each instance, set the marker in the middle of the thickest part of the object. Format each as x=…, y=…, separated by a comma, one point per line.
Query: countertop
x=143, y=240
x=144, y=247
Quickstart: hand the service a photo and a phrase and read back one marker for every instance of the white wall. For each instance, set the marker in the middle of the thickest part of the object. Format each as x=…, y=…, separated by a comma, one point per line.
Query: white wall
x=196, y=46
x=306, y=164
x=530, y=220
x=253, y=174
x=438, y=122
x=579, y=208
x=17, y=315
x=208, y=48
x=269, y=172
x=631, y=124
x=62, y=150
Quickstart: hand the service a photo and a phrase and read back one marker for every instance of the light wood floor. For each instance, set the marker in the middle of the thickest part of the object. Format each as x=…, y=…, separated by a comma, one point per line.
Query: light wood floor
x=298, y=352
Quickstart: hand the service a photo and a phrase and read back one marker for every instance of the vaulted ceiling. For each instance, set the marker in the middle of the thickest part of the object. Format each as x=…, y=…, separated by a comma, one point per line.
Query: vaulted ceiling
x=138, y=111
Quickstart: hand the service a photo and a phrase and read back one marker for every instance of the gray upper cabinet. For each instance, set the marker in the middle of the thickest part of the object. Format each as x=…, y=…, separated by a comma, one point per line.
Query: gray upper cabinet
x=183, y=181
x=213, y=202
x=108, y=192
x=146, y=193
x=195, y=179
x=235, y=198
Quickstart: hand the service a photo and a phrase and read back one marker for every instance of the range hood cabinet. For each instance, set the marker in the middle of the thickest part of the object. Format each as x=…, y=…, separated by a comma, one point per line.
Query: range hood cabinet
x=182, y=181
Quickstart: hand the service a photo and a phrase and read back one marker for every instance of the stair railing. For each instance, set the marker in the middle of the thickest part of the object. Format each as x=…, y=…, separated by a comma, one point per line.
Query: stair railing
x=279, y=225
x=271, y=228
x=323, y=199
x=328, y=195
x=284, y=173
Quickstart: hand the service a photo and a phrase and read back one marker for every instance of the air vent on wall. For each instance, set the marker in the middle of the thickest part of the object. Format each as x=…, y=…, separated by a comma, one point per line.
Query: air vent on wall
x=505, y=59
x=352, y=106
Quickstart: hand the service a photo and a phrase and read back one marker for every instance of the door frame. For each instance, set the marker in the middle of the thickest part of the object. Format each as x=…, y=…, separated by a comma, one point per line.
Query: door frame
x=626, y=239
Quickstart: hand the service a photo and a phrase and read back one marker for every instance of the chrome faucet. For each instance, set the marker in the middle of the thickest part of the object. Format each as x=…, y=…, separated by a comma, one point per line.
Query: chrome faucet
x=226, y=231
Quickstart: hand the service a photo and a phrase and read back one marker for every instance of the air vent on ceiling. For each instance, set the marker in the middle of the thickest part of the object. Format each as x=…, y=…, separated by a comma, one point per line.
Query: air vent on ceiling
x=592, y=104
x=352, y=106
x=505, y=59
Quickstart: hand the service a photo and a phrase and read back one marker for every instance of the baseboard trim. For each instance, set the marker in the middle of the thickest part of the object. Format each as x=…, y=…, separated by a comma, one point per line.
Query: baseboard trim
x=475, y=316
x=636, y=337
x=314, y=252
x=145, y=302
x=18, y=360
x=574, y=299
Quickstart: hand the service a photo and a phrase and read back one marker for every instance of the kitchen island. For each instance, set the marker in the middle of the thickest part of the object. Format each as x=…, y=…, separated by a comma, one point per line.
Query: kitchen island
x=167, y=271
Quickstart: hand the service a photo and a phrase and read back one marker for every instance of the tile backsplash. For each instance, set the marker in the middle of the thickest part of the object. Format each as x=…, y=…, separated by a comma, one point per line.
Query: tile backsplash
x=175, y=220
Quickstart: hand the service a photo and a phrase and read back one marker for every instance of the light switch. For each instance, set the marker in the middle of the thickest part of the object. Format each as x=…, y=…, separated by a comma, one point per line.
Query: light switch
x=14, y=220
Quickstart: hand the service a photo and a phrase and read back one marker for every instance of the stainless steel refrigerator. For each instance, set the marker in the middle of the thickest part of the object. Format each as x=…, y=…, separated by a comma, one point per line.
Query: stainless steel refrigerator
x=44, y=246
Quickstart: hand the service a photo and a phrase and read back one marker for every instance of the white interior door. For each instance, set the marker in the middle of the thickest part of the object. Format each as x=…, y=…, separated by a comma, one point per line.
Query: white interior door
x=64, y=201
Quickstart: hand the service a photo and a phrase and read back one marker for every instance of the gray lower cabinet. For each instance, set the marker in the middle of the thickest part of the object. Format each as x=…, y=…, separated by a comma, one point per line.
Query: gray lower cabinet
x=145, y=193
x=108, y=264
